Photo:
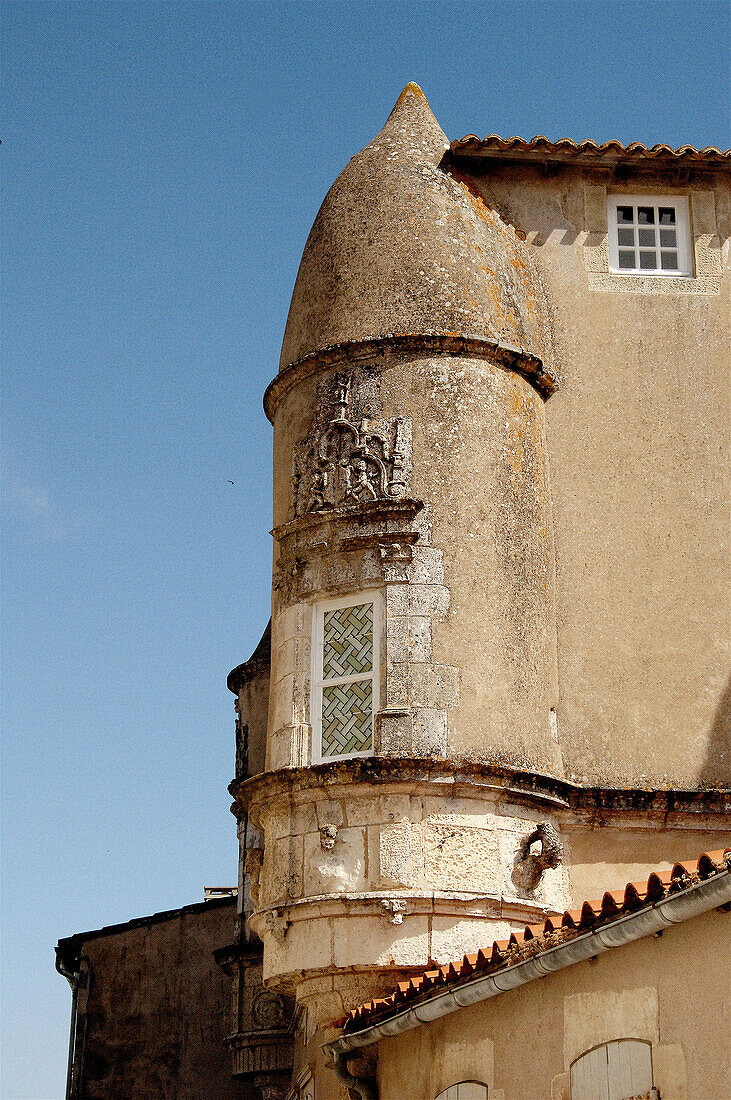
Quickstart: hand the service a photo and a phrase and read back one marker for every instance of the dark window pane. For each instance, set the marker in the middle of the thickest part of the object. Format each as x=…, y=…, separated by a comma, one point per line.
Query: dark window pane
x=625, y=214
x=667, y=215
x=646, y=238
x=646, y=215
x=669, y=261
x=668, y=238
x=648, y=261
x=626, y=258
x=626, y=237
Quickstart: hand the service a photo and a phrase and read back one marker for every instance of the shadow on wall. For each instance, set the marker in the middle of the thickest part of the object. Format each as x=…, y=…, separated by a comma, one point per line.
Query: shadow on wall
x=715, y=770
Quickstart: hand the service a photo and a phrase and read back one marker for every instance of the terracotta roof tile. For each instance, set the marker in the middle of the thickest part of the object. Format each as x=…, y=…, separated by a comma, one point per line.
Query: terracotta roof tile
x=539, y=937
x=540, y=147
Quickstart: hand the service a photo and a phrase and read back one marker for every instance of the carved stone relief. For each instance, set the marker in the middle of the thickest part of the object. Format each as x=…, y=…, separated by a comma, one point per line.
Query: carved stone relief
x=252, y=867
x=540, y=851
x=276, y=924
x=351, y=461
x=394, y=909
x=270, y=1011
x=328, y=836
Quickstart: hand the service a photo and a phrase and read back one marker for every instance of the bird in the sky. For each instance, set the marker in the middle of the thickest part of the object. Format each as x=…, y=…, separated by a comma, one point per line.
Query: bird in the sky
x=232, y=482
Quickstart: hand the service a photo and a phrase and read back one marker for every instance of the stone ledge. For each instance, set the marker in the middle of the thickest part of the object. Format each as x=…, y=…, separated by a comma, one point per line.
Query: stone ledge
x=412, y=344
x=380, y=770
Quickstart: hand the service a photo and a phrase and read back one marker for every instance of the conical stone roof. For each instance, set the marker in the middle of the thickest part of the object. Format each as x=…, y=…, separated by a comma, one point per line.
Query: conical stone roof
x=403, y=245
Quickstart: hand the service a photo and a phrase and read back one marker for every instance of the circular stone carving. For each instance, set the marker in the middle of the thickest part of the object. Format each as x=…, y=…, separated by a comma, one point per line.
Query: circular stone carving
x=269, y=1010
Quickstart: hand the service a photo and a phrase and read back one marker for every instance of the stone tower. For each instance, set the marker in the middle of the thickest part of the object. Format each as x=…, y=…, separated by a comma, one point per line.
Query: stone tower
x=412, y=634
x=405, y=799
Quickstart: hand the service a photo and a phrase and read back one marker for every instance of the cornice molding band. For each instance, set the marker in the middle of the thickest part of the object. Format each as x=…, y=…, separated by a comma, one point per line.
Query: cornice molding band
x=522, y=362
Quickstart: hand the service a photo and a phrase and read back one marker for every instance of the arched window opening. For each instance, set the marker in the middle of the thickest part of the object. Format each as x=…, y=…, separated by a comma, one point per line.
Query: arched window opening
x=465, y=1090
x=620, y=1070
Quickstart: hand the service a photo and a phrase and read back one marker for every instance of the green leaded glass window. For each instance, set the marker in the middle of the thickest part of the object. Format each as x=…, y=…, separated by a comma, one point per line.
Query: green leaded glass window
x=344, y=680
x=347, y=642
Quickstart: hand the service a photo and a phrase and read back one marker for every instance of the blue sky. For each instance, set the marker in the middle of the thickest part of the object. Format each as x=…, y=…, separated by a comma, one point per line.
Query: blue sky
x=163, y=163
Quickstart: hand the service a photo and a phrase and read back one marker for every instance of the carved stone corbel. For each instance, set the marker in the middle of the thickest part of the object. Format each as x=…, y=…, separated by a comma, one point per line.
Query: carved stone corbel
x=276, y=924
x=542, y=849
x=394, y=909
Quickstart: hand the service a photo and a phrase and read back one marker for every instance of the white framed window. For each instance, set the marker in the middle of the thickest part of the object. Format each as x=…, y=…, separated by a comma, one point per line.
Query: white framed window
x=649, y=235
x=344, y=699
x=619, y=1070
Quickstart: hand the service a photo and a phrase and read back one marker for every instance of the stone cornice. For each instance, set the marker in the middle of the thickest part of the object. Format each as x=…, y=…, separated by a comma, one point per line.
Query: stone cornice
x=372, y=511
x=522, y=362
x=590, y=805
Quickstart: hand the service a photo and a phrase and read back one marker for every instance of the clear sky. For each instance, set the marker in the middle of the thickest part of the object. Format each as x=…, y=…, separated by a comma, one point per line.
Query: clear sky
x=163, y=163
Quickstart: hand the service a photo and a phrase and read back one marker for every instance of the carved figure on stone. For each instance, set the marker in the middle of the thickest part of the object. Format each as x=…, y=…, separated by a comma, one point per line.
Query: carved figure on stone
x=541, y=850
x=351, y=463
x=328, y=836
x=252, y=867
x=276, y=924
x=273, y=1092
x=395, y=909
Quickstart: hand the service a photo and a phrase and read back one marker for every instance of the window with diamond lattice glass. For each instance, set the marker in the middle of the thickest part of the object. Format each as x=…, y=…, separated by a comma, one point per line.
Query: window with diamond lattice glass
x=344, y=697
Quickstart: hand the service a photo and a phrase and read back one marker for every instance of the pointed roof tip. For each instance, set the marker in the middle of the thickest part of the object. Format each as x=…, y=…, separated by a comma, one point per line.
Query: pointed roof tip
x=412, y=99
x=374, y=260
x=412, y=88
x=412, y=122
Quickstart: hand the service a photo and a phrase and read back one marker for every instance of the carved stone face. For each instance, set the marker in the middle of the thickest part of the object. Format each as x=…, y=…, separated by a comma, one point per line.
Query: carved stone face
x=328, y=836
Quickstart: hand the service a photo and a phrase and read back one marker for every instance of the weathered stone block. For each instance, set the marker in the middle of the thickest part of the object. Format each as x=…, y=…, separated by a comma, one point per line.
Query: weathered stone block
x=399, y=855
x=394, y=733
x=279, y=749
x=290, y=622
x=417, y=599
x=460, y=858
x=282, y=704
x=426, y=566
x=429, y=733
x=451, y=937
x=329, y=812
x=293, y=656
x=339, y=869
x=282, y=871
x=302, y=947
x=304, y=818
x=369, y=941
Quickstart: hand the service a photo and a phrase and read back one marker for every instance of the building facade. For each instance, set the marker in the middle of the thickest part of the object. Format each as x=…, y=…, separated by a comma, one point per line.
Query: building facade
x=495, y=679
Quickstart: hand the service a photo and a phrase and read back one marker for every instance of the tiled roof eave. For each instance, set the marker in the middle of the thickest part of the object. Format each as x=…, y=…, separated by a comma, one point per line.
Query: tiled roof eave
x=642, y=909
x=610, y=154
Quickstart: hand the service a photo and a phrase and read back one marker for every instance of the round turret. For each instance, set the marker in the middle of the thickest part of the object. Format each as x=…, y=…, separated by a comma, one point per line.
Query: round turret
x=403, y=245
x=412, y=679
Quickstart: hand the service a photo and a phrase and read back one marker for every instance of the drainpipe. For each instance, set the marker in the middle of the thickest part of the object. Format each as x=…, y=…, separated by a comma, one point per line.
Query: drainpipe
x=366, y=1087
x=76, y=980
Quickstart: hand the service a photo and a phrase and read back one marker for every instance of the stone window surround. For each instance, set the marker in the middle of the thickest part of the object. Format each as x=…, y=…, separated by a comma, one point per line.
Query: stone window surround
x=705, y=245
x=464, y=1090
x=415, y=692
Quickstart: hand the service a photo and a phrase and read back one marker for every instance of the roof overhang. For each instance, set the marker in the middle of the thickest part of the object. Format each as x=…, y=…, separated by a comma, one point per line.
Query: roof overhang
x=673, y=908
x=610, y=155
